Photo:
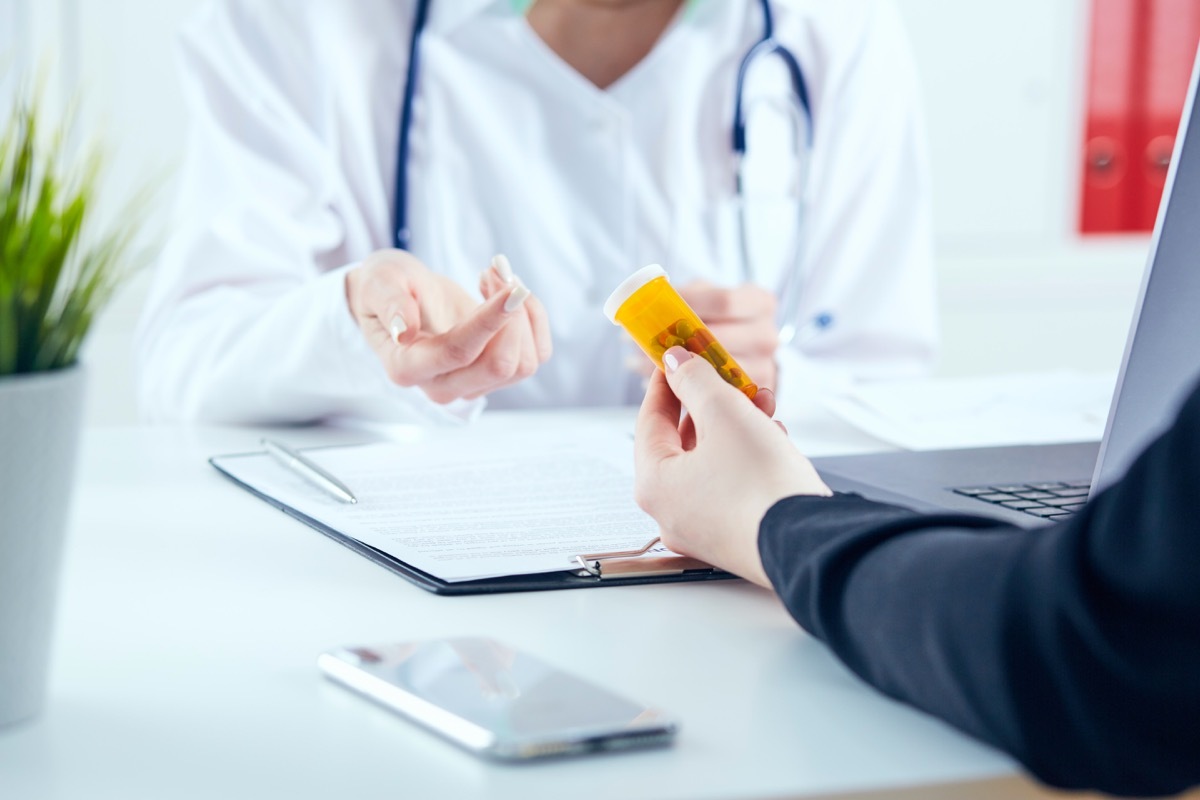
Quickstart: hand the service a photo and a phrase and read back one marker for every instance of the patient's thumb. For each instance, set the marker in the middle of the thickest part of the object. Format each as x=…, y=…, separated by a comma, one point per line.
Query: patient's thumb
x=697, y=385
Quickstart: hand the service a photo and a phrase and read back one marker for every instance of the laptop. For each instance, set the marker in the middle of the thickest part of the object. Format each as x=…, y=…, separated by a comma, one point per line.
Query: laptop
x=1036, y=484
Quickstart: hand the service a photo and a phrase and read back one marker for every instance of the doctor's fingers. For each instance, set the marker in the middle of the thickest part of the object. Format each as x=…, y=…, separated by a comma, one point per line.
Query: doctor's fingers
x=460, y=346
x=393, y=326
x=509, y=357
x=763, y=371
x=429, y=302
x=716, y=303
x=491, y=281
x=753, y=338
x=396, y=315
x=539, y=323
x=497, y=356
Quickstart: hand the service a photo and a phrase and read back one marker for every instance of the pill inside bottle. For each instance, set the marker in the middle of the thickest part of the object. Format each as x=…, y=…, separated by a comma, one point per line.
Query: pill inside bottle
x=647, y=306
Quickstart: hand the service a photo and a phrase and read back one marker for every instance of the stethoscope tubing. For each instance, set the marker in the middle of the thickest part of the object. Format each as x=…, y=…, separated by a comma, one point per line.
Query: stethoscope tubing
x=767, y=45
x=403, y=233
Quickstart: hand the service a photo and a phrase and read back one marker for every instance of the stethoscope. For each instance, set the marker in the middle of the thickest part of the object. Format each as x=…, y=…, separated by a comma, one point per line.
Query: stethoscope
x=802, y=127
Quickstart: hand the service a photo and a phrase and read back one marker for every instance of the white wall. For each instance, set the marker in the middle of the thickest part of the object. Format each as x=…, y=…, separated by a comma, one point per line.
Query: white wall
x=114, y=58
x=1003, y=88
x=129, y=85
x=12, y=50
x=1002, y=85
x=1003, y=82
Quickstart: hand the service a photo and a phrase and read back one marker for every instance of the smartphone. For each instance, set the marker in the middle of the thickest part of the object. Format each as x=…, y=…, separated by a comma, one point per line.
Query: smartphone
x=496, y=701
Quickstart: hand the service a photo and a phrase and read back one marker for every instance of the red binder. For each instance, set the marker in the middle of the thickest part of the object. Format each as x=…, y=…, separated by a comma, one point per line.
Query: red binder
x=1108, y=147
x=1171, y=30
x=1139, y=68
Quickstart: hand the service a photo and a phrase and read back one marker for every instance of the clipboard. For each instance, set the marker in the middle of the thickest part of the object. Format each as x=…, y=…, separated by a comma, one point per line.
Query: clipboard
x=622, y=568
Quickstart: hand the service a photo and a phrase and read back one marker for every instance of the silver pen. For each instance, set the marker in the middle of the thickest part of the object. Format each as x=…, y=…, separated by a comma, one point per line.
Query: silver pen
x=309, y=471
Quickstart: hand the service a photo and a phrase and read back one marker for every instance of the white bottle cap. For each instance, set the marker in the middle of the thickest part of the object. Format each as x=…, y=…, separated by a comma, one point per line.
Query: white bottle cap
x=628, y=286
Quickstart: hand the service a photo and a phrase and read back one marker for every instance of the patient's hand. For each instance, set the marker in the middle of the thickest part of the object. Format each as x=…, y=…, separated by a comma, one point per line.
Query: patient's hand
x=709, y=478
x=743, y=321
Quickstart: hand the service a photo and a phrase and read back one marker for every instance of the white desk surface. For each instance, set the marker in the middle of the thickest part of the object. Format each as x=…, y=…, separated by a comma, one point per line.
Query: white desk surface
x=192, y=614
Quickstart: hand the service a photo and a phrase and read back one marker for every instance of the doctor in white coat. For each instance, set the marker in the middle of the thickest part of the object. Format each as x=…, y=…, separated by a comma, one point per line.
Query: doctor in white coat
x=581, y=138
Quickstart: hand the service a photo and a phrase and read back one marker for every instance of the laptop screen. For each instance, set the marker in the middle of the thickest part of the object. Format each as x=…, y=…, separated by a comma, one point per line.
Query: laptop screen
x=1162, y=357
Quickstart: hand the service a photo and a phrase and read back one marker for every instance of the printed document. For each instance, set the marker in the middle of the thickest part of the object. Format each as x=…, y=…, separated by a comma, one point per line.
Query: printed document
x=469, y=507
x=986, y=411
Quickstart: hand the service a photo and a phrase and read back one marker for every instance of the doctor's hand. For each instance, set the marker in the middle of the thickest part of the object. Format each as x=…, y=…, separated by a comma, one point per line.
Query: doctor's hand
x=709, y=478
x=430, y=333
x=743, y=320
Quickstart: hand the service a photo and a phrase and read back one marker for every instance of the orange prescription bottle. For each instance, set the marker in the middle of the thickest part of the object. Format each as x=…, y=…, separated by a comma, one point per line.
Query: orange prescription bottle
x=653, y=313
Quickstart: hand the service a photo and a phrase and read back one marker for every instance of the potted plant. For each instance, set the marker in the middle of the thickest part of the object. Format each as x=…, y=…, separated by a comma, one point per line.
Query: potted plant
x=56, y=272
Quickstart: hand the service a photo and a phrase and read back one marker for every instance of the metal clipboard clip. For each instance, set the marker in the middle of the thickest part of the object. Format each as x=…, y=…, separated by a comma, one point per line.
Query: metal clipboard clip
x=634, y=564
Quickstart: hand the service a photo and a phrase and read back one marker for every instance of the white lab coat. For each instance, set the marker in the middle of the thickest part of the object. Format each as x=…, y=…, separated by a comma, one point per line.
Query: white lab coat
x=289, y=182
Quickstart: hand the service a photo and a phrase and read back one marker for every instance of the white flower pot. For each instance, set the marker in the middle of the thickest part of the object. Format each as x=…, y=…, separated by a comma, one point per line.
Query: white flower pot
x=40, y=415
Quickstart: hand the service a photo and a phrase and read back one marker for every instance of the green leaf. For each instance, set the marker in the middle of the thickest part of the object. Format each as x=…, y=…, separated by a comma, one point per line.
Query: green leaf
x=56, y=273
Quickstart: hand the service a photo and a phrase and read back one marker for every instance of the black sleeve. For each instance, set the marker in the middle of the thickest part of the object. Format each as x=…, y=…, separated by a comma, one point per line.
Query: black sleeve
x=1075, y=647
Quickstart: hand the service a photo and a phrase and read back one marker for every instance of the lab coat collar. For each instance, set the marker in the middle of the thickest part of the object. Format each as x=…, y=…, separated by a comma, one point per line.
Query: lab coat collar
x=446, y=15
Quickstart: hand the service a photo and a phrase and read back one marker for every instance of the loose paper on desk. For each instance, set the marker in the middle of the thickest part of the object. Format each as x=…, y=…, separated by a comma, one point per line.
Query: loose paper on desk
x=1025, y=408
x=465, y=507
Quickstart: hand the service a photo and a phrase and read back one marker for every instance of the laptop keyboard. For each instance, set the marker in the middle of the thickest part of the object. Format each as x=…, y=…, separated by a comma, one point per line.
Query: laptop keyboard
x=1045, y=500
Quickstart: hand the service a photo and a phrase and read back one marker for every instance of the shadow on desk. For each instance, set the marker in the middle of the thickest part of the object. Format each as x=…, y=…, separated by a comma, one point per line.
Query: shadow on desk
x=1014, y=788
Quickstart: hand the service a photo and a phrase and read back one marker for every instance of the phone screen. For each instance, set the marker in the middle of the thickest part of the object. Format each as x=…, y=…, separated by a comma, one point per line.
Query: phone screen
x=493, y=698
